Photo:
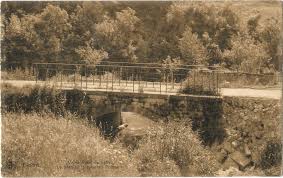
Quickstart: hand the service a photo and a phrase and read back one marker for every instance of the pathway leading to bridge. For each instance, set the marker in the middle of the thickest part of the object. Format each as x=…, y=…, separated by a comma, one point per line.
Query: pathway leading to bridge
x=273, y=93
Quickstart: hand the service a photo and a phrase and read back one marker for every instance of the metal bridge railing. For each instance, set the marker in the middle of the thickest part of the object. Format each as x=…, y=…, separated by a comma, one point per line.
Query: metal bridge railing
x=126, y=77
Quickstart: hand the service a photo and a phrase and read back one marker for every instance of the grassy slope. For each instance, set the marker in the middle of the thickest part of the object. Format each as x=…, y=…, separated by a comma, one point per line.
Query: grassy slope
x=34, y=145
x=46, y=145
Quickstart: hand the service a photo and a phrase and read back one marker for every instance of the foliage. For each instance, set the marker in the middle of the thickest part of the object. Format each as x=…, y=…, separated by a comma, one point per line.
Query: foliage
x=245, y=55
x=200, y=83
x=90, y=55
x=119, y=33
x=253, y=25
x=207, y=33
x=270, y=36
x=175, y=142
x=44, y=99
x=171, y=63
x=272, y=155
x=18, y=74
x=192, y=50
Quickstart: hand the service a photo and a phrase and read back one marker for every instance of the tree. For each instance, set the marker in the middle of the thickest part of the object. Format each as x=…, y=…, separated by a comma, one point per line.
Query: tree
x=253, y=25
x=270, y=37
x=245, y=55
x=20, y=40
x=52, y=28
x=90, y=55
x=227, y=26
x=118, y=35
x=192, y=49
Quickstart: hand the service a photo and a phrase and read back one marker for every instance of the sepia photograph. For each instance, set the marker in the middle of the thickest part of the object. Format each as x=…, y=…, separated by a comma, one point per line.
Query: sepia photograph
x=187, y=88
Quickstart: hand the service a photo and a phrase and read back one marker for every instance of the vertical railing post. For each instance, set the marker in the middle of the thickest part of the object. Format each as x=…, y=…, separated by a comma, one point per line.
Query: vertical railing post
x=46, y=74
x=172, y=78
x=112, y=76
x=127, y=77
x=61, y=79
x=100, y=73
x=194, y=79
x=95, y=73
x=181, y=85
x=203, y=88
x=81, y=78
x=209, y=79
x=75, y=72
x=86, y=76
x=56, y=73
x=106, y=79
x=139, y=78
x=160, y=86
x=120, y=74
x=166, y=80
x=217, y=84
x=36, y=72
x=133, y=75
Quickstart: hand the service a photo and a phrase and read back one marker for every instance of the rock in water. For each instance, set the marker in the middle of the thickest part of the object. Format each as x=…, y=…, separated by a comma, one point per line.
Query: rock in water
x=227, y=146
x=247, y=150
x=230, y=163
x=221, y=156
x=240, y=159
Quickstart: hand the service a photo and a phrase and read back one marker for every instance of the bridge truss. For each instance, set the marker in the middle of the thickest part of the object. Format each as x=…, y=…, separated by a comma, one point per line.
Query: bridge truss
x=129, y=77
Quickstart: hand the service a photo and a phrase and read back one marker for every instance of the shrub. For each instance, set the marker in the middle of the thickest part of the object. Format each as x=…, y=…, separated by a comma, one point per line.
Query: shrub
x=18, y=74
x=47, y=145
x=176, y=143
x=44, y=99
x=200, y=83
x=272, y=155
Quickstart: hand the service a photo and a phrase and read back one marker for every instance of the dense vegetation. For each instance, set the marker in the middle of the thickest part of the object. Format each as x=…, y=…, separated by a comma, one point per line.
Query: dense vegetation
x=187, y=32
x=48, y=133
x=45, y=135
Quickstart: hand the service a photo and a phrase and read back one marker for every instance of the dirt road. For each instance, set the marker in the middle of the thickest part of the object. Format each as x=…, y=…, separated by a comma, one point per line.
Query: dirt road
x=275, y=93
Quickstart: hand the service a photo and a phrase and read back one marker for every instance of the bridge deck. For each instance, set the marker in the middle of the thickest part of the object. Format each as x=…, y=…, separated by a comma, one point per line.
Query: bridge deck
x=274, y=93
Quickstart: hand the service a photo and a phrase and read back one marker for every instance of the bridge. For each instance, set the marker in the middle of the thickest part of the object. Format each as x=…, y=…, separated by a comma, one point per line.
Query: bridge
x=164, y=90
x=140, y=87
x=150, y=78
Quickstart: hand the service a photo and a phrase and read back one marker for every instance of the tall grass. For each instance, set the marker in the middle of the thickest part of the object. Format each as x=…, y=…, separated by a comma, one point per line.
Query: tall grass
x=49, y=145
x=34, y=145
x=175, y=142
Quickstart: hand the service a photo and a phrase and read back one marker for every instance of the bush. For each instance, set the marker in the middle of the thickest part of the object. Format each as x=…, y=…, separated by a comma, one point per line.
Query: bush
x=176, y=143
x=200, y=83
x=29, y=98
x=44, y=99
x=18, y=74
x=34, y=145
x=272, y=155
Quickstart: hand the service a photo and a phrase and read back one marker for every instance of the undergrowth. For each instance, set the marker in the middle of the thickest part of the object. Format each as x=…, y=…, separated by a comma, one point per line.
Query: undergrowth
x=47, y=145
x=175, y=142
x=18, y=74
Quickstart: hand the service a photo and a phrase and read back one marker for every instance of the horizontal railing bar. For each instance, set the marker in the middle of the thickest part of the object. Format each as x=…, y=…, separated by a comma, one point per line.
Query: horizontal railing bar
x=134, y=65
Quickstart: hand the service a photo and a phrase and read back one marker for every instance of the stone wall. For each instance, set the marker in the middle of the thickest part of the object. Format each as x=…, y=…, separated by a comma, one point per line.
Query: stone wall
x=252, y=126
x=243, y=132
